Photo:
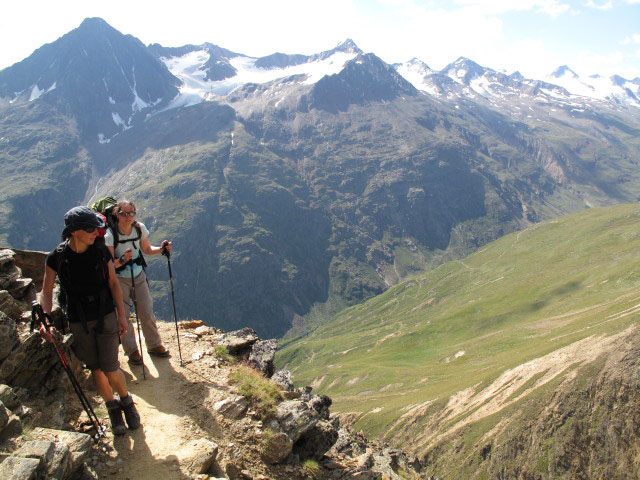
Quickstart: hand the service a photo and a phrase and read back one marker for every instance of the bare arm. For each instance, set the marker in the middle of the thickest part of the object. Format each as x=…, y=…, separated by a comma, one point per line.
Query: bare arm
x=116, y=293
x=148, y=249
x=46, y=295
x=46, y=299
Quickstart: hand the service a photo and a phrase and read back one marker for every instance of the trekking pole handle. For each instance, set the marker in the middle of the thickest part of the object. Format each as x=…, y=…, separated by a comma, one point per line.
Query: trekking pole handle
x=165, y=252
x=39, y=317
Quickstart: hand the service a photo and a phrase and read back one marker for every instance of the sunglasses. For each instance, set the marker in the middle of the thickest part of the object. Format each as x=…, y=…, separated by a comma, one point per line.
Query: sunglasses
x=89, y=229
x=126, y=214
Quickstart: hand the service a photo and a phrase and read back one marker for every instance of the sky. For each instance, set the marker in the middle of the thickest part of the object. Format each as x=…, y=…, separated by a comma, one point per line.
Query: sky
x=531, y=36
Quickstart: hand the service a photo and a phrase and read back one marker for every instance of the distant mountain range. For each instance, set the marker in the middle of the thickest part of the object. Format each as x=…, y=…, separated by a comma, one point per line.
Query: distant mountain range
x=296, y=185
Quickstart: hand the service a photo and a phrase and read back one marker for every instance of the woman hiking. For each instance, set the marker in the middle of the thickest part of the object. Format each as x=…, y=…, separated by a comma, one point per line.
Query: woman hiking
x=94, y=309
x=126, y=245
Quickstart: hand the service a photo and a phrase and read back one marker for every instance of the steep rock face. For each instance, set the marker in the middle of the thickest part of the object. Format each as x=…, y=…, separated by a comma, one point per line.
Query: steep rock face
x=45, y=170
x=106, y=80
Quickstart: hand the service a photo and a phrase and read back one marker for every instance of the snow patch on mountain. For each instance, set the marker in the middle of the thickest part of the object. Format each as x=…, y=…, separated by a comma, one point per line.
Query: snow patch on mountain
x=190, y=69
x=37, y=93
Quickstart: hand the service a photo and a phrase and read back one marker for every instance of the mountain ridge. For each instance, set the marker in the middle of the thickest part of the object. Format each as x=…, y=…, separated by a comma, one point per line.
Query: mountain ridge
x=341, y=155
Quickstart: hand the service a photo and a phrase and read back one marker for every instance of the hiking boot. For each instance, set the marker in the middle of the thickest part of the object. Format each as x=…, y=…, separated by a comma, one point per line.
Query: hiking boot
x=159, y=351
x=130, y=412
x=135, y=358
x=115, y=415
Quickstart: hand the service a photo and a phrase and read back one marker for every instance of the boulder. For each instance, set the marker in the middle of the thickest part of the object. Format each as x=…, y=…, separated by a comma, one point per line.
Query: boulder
x=262, y=355
x=21, y=468
x=55, y=456
x=275, y=447
x=316, y=440
x=295, y=418
x=239, y=342
x=79, y=444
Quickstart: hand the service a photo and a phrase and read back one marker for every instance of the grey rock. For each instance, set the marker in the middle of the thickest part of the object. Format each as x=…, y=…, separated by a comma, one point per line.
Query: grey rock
x=20, y=468
x=232, y=407
x=262, y=355
x=34, y=364
x=316, y=441
x=350, y=443
x=21, y=288
x=9, y=273
x=295, y=418
x=275, y=447
x=11, y=424
x=8, y=397
x=79, y=444
x=10, y=306
x=6, y=258
x=238, y=342
x=31, y=263
x=282, y=378
x=55, y=456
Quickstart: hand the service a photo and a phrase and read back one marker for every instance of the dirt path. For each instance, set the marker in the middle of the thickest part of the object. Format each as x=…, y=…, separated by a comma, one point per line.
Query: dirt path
x=172, y=402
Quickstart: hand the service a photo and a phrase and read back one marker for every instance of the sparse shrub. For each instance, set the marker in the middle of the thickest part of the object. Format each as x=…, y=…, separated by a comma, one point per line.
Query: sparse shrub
x=313, y=468
x=222, y=354
x=262, y=394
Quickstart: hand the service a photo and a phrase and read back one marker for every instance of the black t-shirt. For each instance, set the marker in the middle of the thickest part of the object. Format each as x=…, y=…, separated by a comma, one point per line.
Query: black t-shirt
x=84, y=278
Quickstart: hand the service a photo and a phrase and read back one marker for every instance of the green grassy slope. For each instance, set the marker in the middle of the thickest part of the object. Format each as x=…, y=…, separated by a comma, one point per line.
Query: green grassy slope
x=465, y=323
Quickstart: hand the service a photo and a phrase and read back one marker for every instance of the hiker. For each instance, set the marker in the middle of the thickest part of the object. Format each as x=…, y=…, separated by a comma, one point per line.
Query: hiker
x=94, y=309
x=131, y=240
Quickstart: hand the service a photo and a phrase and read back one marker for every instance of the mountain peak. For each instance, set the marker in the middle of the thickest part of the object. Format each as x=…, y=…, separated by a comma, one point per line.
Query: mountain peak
x=364, y=79
x=347, y=45
x=563, y=71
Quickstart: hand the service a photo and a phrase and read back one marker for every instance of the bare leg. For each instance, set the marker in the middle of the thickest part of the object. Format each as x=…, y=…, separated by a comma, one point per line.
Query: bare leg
x=107, y=382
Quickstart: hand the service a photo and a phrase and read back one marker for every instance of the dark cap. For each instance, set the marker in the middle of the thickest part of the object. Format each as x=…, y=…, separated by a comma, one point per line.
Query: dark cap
x=80, y=217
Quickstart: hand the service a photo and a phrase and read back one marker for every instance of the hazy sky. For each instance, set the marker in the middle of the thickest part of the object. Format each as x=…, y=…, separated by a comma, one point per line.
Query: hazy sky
x=532, y=36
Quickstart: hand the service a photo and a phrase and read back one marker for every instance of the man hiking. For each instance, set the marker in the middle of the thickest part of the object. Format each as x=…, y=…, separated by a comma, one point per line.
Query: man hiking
x=94, y=309
x=127, y=245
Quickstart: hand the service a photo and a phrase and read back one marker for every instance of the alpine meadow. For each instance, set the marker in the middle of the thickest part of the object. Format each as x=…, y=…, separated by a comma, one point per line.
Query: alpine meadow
x=450, y=255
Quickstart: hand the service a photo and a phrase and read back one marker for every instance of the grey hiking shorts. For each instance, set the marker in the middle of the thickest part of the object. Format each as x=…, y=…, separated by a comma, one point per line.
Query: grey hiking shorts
x=98, y=351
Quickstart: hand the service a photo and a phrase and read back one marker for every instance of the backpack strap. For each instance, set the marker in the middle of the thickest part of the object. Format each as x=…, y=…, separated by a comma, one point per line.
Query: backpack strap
x=140, y=258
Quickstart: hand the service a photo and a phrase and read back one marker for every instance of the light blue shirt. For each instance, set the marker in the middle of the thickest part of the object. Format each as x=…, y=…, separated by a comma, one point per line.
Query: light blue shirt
x=133, y=245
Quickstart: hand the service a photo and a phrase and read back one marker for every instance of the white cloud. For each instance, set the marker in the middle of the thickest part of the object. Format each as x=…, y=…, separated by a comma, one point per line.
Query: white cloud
x=635, y=38
x=553, y=8
x=608, y=5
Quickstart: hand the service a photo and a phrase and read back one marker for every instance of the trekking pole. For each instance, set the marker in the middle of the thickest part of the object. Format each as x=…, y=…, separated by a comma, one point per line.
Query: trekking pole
x=38, y=316
x=135, y=309
x=167, y=254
